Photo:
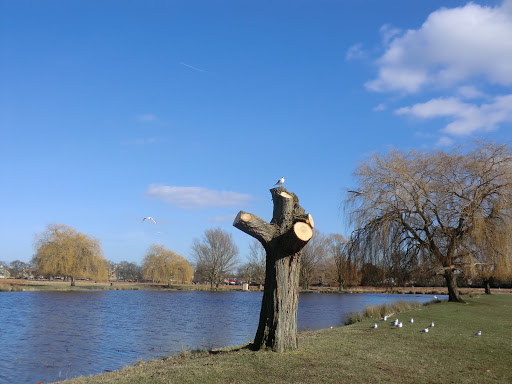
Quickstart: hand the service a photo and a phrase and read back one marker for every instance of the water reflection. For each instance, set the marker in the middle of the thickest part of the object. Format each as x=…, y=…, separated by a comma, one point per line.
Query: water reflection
x=50, y=336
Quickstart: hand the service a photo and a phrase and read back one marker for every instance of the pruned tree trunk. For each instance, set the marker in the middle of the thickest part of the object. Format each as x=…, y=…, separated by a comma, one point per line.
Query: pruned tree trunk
x=283, y=239
x=73, y=283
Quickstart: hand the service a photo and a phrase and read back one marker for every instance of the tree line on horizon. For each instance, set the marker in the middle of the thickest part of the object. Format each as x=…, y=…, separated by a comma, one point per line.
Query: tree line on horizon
x=419, y=217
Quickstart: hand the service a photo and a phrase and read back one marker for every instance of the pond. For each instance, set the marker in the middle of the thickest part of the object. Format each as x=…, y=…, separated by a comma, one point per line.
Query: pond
x=51, y=336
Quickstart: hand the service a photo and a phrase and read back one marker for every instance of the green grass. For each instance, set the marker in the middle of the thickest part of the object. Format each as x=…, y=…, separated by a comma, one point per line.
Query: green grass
x=379, y=311
x=449, y=353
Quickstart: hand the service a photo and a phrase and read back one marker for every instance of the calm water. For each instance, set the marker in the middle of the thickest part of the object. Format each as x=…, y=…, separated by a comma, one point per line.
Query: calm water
x=51, y=336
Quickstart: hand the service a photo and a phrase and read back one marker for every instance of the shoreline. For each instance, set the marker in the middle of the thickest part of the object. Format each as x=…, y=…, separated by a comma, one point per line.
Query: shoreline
x=24, y=285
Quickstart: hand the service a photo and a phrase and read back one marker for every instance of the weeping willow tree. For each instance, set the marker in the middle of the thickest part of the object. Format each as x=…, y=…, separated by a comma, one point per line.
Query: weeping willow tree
x=163, y=265
x=443, y=208
x=63, y=251
x=490, y=256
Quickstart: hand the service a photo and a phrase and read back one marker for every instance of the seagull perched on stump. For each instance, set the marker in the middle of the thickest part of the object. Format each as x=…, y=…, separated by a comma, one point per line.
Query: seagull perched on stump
x=280, y=181
x=148, y=218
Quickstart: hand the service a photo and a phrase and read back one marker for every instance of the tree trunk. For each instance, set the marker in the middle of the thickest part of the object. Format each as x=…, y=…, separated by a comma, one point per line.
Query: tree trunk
x=277, y=328
x=451, y=283
x=487, y=287
x=73, y=281
x=283, y=239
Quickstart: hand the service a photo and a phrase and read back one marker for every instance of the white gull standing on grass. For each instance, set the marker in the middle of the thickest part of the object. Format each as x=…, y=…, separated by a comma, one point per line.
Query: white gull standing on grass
x=374, y=325
x=479, y=333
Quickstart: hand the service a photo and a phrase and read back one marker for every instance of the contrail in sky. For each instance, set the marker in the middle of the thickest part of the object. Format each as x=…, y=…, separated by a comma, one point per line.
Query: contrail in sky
x=194, y=68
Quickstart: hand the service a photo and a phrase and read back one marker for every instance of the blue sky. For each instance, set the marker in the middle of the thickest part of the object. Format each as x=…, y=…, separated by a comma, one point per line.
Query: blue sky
x=189, y=111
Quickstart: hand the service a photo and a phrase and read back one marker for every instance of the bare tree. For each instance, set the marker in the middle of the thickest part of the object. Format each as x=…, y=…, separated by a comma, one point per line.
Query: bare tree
x=216, y=255
x=439, y=205
x=17, y=268
x=312, y=257
x=127, y=271
x=254, y=269
x=337, y=258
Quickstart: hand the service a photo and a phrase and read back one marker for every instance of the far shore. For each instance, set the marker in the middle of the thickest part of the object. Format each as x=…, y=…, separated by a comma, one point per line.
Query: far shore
x=18, y=285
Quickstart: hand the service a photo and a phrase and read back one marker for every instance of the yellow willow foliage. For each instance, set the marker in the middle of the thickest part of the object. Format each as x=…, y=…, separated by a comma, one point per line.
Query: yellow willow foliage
x=61, y=250
x=163, y=265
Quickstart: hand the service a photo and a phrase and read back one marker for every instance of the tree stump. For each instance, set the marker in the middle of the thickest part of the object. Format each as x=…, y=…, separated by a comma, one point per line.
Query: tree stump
x=283, y=239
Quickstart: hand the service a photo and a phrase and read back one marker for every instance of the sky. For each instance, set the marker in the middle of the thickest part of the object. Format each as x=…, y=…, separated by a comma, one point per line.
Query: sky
x=189, y=111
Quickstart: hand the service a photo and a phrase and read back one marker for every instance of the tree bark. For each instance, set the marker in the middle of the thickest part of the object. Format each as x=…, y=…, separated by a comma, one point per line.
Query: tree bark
x=283, y=239
x=487, y=287
x=451, y=283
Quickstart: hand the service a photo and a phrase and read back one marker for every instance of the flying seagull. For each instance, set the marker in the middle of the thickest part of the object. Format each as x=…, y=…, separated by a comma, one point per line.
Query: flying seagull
x=148, y=218
x=280, y=181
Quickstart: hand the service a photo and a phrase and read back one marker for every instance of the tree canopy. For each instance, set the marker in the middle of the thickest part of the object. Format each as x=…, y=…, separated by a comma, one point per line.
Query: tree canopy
x=63, y=251
x=446, y=208
x=163, y=265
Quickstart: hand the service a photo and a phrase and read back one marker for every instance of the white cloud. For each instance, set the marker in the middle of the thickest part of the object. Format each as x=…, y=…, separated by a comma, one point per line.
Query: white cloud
x=470, y=92
x=196, y=197
x=381, y=107
x=388, y=32
x=147, y=118
x=355, y=52
x=453, y=50
x=217, y=219
x=465, y=118
x=444, y=141
x=452, y=46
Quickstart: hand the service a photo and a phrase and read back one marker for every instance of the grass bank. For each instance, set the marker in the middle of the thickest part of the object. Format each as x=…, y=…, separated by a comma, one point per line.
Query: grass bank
x=449, y=353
